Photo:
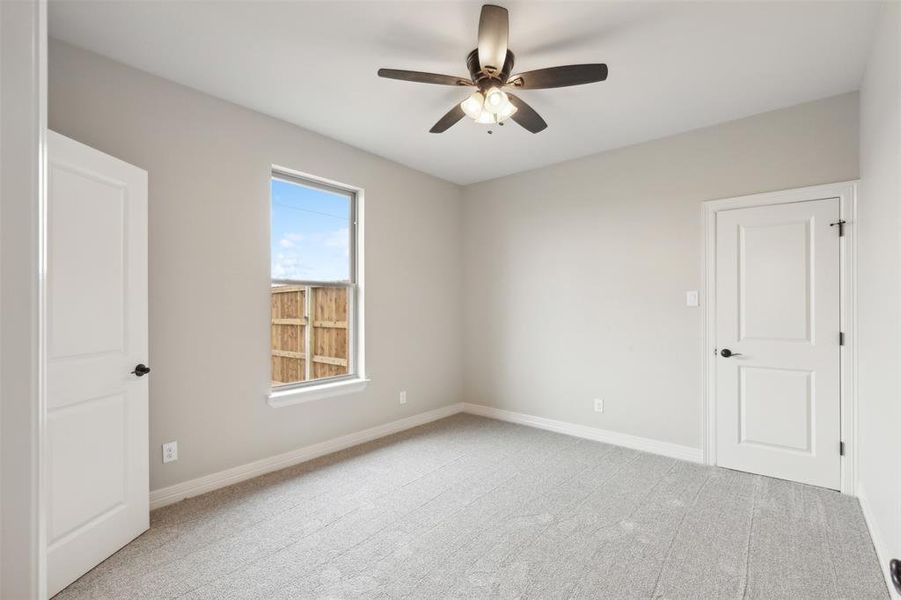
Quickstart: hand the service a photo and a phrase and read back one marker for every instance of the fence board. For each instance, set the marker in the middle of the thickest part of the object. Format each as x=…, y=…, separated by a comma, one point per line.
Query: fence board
x=288, y=323
x=329, y=305
x=309, y=316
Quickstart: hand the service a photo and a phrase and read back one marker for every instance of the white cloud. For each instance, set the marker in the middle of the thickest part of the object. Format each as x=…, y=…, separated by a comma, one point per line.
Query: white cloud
x=324, y=255
x=289, y=240
x=286, y=266
x=337, y=239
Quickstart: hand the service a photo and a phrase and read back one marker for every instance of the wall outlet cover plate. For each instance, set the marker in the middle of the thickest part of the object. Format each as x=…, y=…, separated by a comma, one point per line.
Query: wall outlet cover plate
x=170, y=452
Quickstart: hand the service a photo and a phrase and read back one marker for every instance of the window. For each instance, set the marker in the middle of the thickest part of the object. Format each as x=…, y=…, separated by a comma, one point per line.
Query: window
x=315, y=292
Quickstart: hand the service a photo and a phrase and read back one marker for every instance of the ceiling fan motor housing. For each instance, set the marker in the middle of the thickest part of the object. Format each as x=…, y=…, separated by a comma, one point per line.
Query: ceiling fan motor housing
x=492, y=78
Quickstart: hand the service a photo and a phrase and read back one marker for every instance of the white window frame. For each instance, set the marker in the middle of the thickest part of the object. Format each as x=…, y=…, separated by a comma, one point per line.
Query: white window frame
x=356, y=380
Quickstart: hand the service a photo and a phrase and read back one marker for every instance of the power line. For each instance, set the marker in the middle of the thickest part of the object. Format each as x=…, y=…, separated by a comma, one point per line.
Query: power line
x=315, y=212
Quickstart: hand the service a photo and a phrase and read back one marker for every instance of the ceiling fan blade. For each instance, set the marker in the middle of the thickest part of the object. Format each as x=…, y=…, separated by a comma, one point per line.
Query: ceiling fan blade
x=494, y=25
x=421, y=77
x=555, y=77
x=526, y=116
x=445, y=122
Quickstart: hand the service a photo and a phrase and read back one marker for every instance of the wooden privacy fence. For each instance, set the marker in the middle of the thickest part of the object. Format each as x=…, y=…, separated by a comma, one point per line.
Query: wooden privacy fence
x=309, y=333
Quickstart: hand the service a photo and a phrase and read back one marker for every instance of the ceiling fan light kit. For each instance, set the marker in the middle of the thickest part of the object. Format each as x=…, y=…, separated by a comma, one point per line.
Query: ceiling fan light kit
x=490, y=66
x=493, y=106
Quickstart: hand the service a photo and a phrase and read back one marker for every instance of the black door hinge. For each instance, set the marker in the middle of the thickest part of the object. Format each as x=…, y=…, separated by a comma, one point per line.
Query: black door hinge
x=841, y=338
x=841, y=448
x=841, y=227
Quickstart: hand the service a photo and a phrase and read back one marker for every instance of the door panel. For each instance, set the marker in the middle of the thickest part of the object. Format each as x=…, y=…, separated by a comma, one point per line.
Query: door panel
x=774, y=274
x=70, y=450
x=97, y=421
x=765, y=392
x=778, y=292
x=86, y=284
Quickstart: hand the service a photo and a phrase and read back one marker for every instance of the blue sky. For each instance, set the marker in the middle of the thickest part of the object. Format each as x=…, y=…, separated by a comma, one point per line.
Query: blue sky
x=310, y=233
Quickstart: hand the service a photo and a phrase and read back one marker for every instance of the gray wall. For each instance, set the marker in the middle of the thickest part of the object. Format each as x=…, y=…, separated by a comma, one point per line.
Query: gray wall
x=879, y=217
x=575, y=274
x=539, y=291
x=209, y=167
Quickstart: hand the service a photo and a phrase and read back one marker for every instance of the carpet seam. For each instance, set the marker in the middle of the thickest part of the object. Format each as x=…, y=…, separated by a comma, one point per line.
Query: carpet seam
x=669, y=549
x=512, y=476
x=578, y=584
x=590, y=468
x=427, y=573
x=757, y=484
x=298, y=540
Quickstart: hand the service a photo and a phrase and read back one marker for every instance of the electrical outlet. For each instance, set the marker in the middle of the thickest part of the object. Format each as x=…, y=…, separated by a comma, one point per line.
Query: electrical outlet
x=403, y=397
x=692, y=298
x=598, y=405
x=170, y=452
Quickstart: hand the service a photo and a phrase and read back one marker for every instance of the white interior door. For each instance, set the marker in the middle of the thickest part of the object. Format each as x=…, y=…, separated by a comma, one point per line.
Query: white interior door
x=777, y=313
x=97, y=425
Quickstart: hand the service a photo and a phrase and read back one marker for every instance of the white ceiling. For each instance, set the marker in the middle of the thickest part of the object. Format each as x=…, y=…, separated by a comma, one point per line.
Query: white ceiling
x=673, y=67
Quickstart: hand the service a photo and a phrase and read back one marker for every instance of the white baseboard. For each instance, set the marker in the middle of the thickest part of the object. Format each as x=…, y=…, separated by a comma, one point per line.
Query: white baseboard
x=882, y=550
x=590, y=433
x=214, y=481
x=207, y=483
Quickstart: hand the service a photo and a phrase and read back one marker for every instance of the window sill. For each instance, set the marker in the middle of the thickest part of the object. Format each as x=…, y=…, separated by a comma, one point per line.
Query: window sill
x=292, y=396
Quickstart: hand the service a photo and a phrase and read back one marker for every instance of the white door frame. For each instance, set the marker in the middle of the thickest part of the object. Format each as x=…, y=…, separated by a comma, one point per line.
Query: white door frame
x=846, y=192
x=23, y=41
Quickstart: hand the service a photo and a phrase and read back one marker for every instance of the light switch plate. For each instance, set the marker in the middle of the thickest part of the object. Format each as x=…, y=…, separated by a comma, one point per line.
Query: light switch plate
x=691, y=298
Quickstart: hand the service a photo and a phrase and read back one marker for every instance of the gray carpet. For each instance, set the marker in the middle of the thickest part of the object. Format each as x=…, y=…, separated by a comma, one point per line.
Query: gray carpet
x=469, y=507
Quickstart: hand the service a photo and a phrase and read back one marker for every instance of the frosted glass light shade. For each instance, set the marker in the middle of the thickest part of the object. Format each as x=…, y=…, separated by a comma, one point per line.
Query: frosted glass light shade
x=506, y=111
x=472, y=106
x=485, y=118
x=495, y=100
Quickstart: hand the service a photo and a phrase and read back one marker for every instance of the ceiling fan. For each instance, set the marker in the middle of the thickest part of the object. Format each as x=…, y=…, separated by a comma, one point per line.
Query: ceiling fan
x=490, y=66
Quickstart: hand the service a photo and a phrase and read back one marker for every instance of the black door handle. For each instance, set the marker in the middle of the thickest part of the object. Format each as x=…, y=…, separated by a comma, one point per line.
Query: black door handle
x=894, y=568
x=141, y=370
x=726, y=353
